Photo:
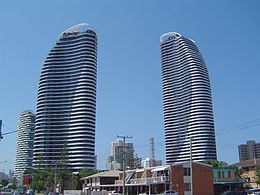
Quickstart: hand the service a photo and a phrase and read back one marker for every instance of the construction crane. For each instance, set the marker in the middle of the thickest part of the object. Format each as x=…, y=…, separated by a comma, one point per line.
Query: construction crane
x=1, y=134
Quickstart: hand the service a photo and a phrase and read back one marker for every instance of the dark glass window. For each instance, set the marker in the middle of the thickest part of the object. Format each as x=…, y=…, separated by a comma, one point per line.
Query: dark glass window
x=186, y=171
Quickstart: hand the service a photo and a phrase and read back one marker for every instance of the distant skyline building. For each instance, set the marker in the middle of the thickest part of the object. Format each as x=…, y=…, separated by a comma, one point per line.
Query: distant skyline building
x=66, y=103
x=187, y=101
x=24, y=143
x=148, y=162
x=249, y=151
x=3, y=175
x=115, y=161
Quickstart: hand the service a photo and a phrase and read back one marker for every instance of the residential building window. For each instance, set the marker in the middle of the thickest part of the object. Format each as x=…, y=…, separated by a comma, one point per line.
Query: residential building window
x=219, y=174
x=226, y=174
x=186, y=171
x=187, y=187
x=216, y=175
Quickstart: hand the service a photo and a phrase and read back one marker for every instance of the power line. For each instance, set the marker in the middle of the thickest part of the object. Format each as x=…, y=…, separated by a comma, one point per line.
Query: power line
x=228, y=144
x=239, y=124
x=231, y=147
x=237, y=129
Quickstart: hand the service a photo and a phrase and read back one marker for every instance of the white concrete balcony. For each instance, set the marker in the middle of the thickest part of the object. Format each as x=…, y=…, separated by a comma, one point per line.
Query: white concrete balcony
x=151, y=180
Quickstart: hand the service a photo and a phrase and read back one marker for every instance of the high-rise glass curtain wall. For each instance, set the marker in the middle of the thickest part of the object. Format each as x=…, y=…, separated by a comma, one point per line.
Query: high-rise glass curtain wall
x=24, y=143
x=66, y=104
x=186, y=101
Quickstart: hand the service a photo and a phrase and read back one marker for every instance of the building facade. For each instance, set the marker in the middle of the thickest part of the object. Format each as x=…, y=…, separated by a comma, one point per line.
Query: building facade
x=66, y=104
x=225, y=179
x=249, y=170
x=115, y=161
x=154, y=180
x=249, y=151
x=188, y=115
x=148, y=162
x=24, y=143
x=3, y=176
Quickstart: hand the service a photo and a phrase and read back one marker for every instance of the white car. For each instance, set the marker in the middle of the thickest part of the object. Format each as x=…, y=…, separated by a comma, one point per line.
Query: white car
x=113, y=193
x=30, y=192
x=144, y=193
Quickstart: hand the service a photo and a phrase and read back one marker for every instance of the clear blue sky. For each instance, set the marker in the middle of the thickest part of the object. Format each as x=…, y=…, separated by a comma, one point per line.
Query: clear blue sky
x=129, y=94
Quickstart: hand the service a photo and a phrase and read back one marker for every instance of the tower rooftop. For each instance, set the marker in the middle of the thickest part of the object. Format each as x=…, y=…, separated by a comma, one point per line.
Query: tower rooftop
x=77, y=28
x=171, y=35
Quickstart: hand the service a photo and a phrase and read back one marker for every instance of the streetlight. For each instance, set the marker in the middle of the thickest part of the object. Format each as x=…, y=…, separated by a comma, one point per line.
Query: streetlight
x=3, y=161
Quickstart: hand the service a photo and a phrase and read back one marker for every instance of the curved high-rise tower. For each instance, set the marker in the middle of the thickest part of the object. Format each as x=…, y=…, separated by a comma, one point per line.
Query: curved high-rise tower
x=66, y=104
x=24, y=143
x=186, y=101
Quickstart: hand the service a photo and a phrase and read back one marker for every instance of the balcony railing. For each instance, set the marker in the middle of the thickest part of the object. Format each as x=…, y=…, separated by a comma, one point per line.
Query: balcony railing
x=150, y=180
x=87, y=185
x=225, y=179
x=119, y=182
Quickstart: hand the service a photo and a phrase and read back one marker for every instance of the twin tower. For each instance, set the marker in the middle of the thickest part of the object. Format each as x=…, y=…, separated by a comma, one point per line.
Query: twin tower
x=66, y=104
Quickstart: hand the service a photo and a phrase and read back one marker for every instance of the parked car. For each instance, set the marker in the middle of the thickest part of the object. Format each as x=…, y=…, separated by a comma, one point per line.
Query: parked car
x=254, y=191
x=144, y=193
x=30, y=192
x=16, y=192
x=170, y=192
x=235, y=192
x=113, y=193
x=53, y=193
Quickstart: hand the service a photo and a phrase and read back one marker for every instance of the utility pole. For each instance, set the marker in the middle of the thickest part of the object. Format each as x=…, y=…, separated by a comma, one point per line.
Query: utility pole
x=1, y=134
x=152, y=156
x=123, y=164
x=191, y=182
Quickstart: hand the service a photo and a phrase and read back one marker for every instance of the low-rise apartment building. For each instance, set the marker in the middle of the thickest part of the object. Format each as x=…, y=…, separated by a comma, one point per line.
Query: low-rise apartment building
x=248, y=170
x=226, y=179
x=154, y=180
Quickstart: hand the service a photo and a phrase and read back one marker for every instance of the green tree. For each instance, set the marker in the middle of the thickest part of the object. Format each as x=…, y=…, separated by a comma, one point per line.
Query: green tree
x=86, y=172
x=4, y=182
x=238, y=173
x=74, y=179
x=129, y=157
x=257, y=174
x=215, y=163
x=82, y=173
x=222, y=164
x=12, y=186
x=42, y=179
x=28, y=171
x=62, y=169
